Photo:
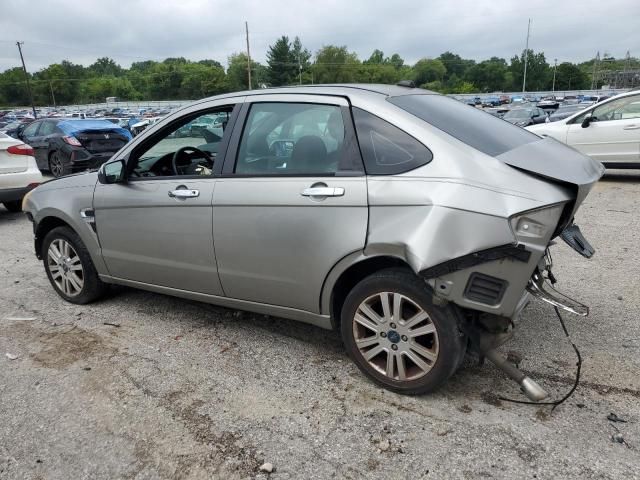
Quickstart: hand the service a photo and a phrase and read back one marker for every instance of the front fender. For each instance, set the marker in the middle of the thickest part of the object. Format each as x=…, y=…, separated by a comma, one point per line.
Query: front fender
x=47, y=204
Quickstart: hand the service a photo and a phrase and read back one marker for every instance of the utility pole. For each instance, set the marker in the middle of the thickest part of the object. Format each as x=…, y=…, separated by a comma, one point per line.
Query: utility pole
x=594, y=83
x=526, y=58
x=300, y=68
x=26, y=77
x=555, y=68
x=53, y=97
x=627, y=62
x=246, y=26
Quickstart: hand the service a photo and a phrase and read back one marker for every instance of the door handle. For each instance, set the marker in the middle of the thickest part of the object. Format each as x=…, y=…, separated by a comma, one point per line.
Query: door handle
x=323, y=192
x=184, y=193
x=631, y=127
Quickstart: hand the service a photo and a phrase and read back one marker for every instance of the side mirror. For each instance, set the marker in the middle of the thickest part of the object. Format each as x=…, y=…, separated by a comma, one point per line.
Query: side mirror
x=112, y=172
x=587, y=120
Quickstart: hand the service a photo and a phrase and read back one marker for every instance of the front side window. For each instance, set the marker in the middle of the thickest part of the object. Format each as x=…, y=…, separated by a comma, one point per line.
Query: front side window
x=387, y=150
x=292, y=139
x=187, y=148
x=619, y=109
x=30, y=130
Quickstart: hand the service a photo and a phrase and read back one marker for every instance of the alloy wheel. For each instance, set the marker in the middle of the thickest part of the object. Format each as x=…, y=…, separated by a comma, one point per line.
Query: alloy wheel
x=65, y=267
x=395, y=336
x=55, y=165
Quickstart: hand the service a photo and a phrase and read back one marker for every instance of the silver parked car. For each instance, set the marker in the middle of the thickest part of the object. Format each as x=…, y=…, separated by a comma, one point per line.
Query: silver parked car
x=415, y=226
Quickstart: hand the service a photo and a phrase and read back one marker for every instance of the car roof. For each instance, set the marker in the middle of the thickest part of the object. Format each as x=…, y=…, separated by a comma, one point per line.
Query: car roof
x=339, y=89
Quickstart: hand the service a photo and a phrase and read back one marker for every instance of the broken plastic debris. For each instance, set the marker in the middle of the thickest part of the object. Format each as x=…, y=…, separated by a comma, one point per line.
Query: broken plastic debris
x=612, y=417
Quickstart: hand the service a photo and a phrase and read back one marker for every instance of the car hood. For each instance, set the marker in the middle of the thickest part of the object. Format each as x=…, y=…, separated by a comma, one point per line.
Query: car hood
x=553, y=160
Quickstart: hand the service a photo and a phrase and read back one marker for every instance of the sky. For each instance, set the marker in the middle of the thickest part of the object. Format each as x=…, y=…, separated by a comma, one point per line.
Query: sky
x=136, y=30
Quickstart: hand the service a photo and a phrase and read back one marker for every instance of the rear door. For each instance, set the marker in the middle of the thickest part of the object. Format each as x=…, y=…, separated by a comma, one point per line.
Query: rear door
x=292, y=200
x=614, y=135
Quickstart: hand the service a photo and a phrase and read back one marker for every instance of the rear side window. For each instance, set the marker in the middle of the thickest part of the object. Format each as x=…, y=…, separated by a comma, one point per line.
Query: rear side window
x=387, y=150
x=480, y=130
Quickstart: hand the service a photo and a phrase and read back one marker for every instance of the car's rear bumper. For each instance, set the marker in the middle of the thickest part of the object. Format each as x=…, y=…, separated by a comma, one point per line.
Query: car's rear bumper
x=13, y=194
x=81, y=159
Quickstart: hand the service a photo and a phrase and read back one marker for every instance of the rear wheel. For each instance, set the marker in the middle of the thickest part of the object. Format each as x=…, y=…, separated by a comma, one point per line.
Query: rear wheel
x=57, y=165
x=69, y=267
x=397, y=336
x=14, y=206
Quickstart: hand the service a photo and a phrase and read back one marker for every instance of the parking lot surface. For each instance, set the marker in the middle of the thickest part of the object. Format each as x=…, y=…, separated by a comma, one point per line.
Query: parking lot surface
x=143, y=386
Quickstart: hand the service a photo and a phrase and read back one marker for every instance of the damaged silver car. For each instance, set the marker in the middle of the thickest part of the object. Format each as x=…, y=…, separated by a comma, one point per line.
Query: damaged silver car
x=415, y=226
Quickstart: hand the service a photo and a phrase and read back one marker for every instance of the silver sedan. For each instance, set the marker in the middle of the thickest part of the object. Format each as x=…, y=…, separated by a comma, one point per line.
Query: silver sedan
x=417, y=227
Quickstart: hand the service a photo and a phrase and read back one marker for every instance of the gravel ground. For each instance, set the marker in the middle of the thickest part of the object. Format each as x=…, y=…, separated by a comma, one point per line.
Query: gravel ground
x=186, y=390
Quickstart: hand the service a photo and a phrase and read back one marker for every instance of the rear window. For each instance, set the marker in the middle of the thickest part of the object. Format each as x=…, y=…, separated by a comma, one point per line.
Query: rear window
x=387, y=150
x=480, y=130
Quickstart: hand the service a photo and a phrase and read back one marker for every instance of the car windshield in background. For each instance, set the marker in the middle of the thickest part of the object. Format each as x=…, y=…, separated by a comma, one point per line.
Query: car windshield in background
x=480, y=130
x=517, y=113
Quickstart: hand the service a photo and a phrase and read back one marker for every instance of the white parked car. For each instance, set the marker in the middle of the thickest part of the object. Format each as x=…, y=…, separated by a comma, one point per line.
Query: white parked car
x=608, y=131
x=18, y=172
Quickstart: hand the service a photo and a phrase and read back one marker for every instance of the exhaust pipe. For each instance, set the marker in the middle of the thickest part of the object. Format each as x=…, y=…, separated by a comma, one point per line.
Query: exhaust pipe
x=531, y=389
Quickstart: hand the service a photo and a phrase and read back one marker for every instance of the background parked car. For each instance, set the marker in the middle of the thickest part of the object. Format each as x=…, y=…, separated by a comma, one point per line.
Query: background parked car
x=523, y=117
x=15, y=128
x=608, y=131
x=564, y=111
x=18, y=172
x=63, y=146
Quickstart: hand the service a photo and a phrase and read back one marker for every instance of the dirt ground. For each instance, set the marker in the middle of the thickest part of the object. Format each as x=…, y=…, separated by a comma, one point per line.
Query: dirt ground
x=179, y=389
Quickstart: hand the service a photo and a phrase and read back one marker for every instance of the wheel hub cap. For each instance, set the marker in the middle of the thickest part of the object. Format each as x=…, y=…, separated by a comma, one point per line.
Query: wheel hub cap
x=65, y=267
x=395, y=336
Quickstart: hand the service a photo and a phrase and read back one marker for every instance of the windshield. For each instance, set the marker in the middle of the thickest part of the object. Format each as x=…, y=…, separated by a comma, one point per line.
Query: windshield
x=518, y=113
x=480, y=130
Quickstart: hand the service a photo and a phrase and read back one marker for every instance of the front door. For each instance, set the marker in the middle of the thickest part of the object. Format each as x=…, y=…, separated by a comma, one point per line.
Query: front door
x=157, y=227
x=614, y=133
x=292, y=200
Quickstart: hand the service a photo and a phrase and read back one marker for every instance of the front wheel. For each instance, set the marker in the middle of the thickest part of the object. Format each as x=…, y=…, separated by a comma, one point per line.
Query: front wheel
x=397, y=336
x=69, y=267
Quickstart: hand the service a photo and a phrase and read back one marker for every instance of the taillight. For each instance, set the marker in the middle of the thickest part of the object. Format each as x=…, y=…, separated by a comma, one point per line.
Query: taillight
x=20, y=150
x=72, y=141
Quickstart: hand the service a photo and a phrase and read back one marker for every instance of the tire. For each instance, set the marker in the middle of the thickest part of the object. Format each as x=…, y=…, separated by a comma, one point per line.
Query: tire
x=75, y=285
x=57, y=165
x=13, y=206
x=423, y=331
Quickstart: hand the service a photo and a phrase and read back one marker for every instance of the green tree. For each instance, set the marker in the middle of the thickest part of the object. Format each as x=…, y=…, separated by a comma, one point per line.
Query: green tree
x=455, y=65
x=488, y=75
x=571, y=77
x=237, y=77
x=105, y=66
x=281, y=67
x=335, y=65
x=428, y=70
x=538, y=71
x=301, y=56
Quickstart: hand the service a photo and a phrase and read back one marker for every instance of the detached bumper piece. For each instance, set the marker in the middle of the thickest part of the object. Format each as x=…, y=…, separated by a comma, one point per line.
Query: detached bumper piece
x=541, y=288
x=574, y=238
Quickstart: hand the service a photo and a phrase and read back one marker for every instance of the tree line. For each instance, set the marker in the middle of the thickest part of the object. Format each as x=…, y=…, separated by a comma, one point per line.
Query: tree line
x=289, y=63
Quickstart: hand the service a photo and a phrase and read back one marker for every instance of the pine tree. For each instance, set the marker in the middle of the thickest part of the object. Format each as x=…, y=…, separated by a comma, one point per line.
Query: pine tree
x=282, y=68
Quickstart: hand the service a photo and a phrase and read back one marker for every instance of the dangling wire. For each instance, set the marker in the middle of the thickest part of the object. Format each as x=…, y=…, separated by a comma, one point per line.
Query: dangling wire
x=555, y=403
